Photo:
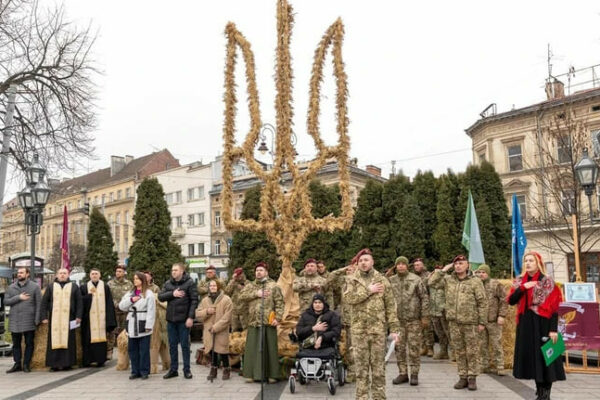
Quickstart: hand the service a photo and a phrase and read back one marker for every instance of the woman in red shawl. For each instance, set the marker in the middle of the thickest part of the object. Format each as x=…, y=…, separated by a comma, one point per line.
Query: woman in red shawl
x=537, y=299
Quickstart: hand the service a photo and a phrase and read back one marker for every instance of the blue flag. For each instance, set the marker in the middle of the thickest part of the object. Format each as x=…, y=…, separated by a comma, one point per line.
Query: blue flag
x=519, y=241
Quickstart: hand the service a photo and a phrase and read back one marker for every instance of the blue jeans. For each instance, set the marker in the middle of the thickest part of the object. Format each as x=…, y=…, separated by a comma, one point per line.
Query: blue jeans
x=179, y=334
x=139, y=354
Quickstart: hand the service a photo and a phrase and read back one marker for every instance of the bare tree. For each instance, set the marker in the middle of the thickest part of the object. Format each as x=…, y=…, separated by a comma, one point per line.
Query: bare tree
x=77, y=254
x=49, y=61
x=560, y=142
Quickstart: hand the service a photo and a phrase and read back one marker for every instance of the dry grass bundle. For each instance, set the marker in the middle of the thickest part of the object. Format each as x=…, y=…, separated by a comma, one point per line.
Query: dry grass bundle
x=122, y=355
x=237, y=342
x=40, y=345
x=509, y=330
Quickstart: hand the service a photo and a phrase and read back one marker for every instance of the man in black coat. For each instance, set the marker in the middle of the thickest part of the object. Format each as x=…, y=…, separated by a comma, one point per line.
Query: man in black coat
x=320, y=321
x=181, y=296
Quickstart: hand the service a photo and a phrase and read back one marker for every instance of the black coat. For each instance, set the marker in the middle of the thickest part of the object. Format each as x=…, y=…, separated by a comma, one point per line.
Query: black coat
x=309, y=318
x=180, y=308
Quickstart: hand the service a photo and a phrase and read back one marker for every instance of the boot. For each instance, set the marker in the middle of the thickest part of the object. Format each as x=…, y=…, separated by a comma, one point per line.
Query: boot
x=472, y=383
x=430, y=352
x=16, y=367
x=414, y=380
x=461, y=384
x=226, y=373
x=402, y=378
x=423, y=351
x=212, y=374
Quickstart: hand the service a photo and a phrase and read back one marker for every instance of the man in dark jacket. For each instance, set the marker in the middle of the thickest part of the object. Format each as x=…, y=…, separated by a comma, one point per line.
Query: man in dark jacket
x=24, y=298
x=182, y=299
x=320, y=321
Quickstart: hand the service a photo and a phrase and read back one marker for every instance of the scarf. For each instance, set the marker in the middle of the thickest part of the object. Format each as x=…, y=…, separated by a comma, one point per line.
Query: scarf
x=543, y=299
x=97, y=313
x=61, y=307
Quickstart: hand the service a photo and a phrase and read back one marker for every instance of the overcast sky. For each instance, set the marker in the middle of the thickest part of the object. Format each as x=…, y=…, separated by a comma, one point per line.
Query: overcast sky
x=419, y=73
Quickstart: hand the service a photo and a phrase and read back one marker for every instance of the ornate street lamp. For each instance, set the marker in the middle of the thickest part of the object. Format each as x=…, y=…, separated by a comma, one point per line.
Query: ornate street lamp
x=586, y=171
x=33, y=198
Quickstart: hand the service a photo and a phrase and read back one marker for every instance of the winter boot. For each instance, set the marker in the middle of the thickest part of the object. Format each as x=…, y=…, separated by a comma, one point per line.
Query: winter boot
x=402, y=378
x=226, y=373
x=414, y=380
x=461, y=384
x=212, y=374
x=472, y=383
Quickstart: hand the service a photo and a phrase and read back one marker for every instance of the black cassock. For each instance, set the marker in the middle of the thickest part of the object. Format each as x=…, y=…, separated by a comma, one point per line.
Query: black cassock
x=95, y=352
x=61, y=358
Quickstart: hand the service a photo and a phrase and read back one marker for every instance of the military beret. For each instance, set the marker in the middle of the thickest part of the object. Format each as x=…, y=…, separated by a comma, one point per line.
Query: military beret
x=211, y=267
x=310, y=260
x=261, y=264
x=362, y=253
x=238, y=271
x=459, y=257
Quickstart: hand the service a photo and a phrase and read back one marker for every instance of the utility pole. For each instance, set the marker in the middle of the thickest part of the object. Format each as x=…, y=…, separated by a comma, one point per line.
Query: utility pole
x=6, y=137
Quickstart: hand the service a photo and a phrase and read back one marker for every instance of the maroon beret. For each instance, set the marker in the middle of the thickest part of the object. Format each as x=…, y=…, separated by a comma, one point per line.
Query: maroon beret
x=459, y=257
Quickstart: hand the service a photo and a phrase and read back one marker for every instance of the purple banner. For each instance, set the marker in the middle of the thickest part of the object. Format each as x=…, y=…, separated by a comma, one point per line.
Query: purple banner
x=579, y=324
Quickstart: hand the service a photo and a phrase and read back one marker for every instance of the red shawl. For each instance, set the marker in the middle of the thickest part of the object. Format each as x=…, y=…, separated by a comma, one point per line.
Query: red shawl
x=543, y=299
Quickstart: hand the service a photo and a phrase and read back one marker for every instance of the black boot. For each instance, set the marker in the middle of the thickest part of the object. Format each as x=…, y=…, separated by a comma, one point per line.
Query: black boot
x=15, y=368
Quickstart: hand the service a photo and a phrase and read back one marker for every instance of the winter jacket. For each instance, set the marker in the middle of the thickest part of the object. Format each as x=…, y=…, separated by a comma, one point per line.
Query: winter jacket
x=180, y=308
x=307, y=286
x=142, y=310
x=411, y=296
x=24, y=314
x=466, y=301
x=309, y=318
x=220, y=322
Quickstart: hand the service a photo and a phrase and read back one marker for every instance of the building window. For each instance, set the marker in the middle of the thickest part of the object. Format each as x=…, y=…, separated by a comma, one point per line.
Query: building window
x=125, y=241
x=201, y=249
x=118, y=218
x=178, y=222
x=119, y=194
x=481, y=157
x=126, y=218
x=178, y=197
x=515, y=158
x=217, y=218
x=127, y=193
x=95, y=200
x=78, y=204
x=563, y=146
x=200, y=219
x=191, y=194
x=190, y=249
x=217, y=247
x=568, y=202
x=521, y=200
x=590, y=267
x=191, y=220
x=201, y=192
x=169, y=198
x=111, y=197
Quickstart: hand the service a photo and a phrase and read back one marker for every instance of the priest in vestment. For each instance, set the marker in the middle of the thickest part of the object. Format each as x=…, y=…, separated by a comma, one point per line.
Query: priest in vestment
x=98, y=319
x=62, y=309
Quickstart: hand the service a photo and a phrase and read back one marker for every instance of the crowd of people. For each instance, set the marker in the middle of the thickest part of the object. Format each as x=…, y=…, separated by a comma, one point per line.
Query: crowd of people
x=465, y=310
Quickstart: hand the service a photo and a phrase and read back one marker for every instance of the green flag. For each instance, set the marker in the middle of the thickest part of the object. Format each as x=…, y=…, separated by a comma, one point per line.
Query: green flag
x=471, y=239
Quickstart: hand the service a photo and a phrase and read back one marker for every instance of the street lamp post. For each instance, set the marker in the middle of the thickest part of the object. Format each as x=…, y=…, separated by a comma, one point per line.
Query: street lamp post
x=586, y=171
x=33, y=198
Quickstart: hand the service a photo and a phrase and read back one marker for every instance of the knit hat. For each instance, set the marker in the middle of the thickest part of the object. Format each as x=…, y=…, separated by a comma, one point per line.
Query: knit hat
x=238, y=271
x=402, y=260
x=485, y=268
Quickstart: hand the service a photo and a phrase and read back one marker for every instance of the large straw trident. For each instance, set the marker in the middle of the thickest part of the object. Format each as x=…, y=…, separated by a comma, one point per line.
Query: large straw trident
x=286, y=219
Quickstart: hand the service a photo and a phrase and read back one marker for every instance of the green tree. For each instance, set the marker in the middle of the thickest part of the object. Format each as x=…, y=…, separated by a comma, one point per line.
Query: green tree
x=411, y=239
x=425, y=187
x=448, y=230
x=152, y=248
x=100, y=253
x=249, y=248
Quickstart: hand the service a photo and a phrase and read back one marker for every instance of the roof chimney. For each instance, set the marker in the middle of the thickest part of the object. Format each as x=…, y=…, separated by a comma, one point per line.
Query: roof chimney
x=117, y=163
x=373, y=170
x=555, y=89
x=128, y=159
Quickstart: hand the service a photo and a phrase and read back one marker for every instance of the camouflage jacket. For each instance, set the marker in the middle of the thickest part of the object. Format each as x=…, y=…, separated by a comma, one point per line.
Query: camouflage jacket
x=371, y=313
x=424, y=276
x=496, y=295
x=336, y=281
x=118, y=289
x=437, y=301
x=272, y=303
x=411, y=296
x=307, y=286
x=203, y=287
x=466, y=301
x=233, y=291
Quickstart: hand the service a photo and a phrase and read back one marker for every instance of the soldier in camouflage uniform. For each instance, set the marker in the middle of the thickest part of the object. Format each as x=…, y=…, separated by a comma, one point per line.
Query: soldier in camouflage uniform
x=428, y=340
x=437, y=302
x=466, y=311
x=412, y=303
x=234, y=287
x=373, y=313
x=211, y=274
x=309, y=284
x=491, y=336
x=119, y=286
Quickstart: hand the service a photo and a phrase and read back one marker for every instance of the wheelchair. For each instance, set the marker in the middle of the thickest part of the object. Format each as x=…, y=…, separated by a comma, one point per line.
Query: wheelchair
x=322, y=365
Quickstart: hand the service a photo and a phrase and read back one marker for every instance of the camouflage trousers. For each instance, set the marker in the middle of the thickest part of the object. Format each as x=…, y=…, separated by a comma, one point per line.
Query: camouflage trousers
x=491, y=346
x=112, y=338
x=428, y=339
x=349, y=357
x=409, y=337
x=369, y=360
x=440, y=326
x=464, y=339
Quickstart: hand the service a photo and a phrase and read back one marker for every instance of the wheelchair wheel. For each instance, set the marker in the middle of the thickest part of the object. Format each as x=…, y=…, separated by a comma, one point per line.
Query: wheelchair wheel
x=301, y=379
x=292, y=384
x=331, y=385
x=341, y=374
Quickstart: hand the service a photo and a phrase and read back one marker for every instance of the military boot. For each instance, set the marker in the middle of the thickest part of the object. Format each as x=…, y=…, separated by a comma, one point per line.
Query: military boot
x=414, y=380
x=402, y=378
x=461, y=384
x=472, y=383
x=226, y=373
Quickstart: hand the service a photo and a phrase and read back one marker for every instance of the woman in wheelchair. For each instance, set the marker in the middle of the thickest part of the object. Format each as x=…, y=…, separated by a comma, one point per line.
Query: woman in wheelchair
x=319, y=327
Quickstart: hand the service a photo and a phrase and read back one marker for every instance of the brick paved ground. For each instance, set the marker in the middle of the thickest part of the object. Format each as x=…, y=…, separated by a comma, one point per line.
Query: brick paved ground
x=436, y=380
